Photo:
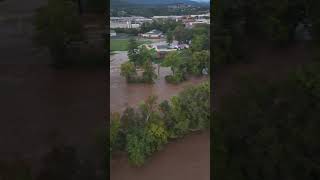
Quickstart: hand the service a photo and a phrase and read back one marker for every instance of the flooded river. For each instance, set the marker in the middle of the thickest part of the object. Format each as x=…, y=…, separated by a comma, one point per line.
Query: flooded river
x=185, y=159
x=123, y=94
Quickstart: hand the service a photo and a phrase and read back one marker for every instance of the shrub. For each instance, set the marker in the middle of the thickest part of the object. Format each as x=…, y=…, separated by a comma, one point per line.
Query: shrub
x=179, y=118
x=143, y=141
x=128, y=71
x=196, y=105
x=137, y=146
x=114, y=130
x=157, y=132
x=172, y=79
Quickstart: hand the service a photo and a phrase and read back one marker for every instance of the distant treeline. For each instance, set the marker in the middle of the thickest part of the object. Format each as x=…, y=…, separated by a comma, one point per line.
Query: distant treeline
x=149, y=11
x=271, y=21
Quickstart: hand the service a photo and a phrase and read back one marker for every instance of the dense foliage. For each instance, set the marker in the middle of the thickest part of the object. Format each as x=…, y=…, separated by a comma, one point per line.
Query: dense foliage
x=96, y=5
x=57, y=25
x=275, y=21
x=139, y=57
x=178, y=67
x=269, y=130
x=192, y=61
x=148, y=128
x=149, y=11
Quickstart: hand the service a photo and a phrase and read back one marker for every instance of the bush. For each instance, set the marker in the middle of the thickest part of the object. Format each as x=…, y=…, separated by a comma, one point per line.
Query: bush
x=114, y=131
x=157, y=132
x=180, y=121
x=195, y=101
x=172, y=79
x=142, y=142
x=128, y=70
x=137, y=146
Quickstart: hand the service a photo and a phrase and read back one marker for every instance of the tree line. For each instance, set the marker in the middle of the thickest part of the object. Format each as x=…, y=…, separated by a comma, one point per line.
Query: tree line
x=237, y=21
x=269, y=129
x=143, y=131
x=58, y=27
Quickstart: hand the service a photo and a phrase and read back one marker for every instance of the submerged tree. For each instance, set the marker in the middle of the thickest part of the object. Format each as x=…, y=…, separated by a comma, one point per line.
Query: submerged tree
x=133, y=50
x=128, y=71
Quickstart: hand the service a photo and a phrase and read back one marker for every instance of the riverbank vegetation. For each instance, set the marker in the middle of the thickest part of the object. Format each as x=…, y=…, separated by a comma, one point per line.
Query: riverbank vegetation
x=56, y=32
x=275, y=23
x=269, y=129
x=143, y=131
x=69, y=40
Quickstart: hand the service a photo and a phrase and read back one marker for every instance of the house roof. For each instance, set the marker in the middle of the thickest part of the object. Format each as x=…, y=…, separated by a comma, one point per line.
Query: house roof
x=162, y=46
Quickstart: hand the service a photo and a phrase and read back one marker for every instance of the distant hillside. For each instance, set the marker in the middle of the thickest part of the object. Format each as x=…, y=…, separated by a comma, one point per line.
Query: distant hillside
x=155, y=2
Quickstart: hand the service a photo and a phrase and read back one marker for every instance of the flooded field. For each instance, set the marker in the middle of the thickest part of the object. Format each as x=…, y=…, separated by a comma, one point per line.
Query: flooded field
x=123, y=94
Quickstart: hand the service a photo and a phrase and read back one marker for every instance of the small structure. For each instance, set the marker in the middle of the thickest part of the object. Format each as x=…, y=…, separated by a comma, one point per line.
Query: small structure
x=154, y=34
x=113, y=33
x=162, y=48
x=181, y=46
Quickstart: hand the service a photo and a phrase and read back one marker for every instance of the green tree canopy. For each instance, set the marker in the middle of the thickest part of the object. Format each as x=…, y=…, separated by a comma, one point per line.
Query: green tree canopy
x=57, y=24
x=269, y=130
x=169, y=37
x=128, y=70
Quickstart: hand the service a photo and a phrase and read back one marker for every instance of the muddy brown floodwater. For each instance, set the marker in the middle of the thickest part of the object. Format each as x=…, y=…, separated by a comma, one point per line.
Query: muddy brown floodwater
x=123, y=94
x=185, y=159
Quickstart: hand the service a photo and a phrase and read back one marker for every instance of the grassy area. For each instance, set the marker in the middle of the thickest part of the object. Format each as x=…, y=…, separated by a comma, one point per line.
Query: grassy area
x=119, y=44
x=122, y=44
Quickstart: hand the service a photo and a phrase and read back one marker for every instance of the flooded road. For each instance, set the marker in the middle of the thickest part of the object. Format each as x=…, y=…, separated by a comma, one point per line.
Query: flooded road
x=123, y=94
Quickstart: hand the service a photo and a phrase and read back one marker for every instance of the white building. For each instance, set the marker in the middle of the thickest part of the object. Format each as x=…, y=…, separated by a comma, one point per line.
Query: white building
x=113, y=33
x=128, y=22
x=176, y=18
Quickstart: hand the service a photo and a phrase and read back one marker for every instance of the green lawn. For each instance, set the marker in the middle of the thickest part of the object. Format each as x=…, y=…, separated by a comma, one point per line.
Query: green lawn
x=119, y=44
x=122, y=44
